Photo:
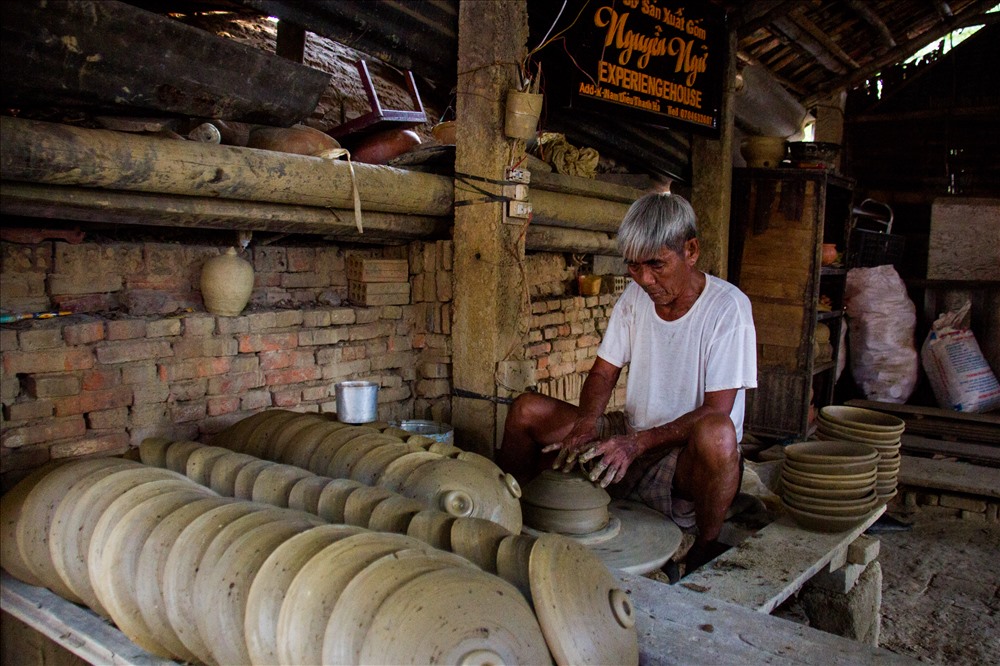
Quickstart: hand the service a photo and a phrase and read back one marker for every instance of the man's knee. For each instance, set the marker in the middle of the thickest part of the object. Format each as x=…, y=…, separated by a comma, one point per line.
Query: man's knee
x=713, y=441
x=525, y=409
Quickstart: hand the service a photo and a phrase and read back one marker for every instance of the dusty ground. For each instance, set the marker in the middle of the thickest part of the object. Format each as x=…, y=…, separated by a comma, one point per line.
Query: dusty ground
x=940, y=590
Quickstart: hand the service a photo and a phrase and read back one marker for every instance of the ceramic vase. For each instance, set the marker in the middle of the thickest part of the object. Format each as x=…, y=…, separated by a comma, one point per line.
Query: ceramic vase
x=226, y=284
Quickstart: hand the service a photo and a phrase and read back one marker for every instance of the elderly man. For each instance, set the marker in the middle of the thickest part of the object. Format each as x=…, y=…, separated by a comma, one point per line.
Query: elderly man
x=689, y=341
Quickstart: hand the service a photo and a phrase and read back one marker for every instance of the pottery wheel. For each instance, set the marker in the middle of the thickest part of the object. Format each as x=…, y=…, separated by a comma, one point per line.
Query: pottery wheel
x=585, y=617
x=646, y=540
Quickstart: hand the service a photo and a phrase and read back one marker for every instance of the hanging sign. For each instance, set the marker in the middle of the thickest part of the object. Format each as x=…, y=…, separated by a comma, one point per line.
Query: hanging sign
x=656, y=61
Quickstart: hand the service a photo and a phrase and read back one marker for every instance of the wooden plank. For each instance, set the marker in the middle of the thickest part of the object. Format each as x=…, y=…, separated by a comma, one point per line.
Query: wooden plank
x=587, y=187
x=949, y=475
x=938, y=422
x=173, y=210
x=112, y=56
x=545, y=238
x=682, y=627
x=78, y=629
x=772, y=565
x=569, y=210
x=967, y=450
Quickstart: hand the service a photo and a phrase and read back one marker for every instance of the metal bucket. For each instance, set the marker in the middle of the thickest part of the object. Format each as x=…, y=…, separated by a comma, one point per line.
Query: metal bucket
x=440, y=432
x=357, y=401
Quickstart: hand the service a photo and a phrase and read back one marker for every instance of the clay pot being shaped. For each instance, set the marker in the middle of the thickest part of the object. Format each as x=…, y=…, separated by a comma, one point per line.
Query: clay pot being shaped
x=226, y=284
x=763, y=152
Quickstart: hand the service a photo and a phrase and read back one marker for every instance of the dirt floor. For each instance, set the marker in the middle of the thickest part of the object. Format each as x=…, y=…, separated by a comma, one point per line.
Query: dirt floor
x=940, y=589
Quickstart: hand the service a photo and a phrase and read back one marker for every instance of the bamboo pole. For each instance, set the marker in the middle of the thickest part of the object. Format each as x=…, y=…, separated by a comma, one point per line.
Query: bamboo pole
x=56, y=154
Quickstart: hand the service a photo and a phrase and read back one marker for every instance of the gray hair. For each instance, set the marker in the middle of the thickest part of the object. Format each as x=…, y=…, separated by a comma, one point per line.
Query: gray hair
x=655, y=221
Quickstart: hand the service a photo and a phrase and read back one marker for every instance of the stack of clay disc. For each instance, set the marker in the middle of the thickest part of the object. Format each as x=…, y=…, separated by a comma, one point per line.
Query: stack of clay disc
x=439, y=474
x=829, y=486
x=625, y=535
x=878, y=430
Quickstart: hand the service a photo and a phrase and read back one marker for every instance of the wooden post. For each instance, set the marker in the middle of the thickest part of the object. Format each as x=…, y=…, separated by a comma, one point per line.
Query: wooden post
x=487, y=291
x=712, y=177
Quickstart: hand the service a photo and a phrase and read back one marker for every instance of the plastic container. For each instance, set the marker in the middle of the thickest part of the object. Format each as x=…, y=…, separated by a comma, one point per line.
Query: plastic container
x=441, y=432
x=357, y=401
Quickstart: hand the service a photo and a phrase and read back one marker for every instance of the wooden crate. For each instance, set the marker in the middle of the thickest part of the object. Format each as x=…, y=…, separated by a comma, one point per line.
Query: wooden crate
x=378, y=293
x=366, y=269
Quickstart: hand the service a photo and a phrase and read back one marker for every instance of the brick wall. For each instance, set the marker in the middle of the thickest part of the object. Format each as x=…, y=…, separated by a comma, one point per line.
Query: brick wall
x=140, y=357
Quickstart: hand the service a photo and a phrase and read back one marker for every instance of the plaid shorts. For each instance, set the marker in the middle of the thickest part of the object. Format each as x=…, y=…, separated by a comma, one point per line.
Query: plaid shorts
x=650, y=477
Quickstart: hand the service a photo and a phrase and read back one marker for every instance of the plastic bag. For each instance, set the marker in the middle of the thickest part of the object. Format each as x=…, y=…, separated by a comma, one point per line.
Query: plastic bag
x=959, y=374
x=881, y=320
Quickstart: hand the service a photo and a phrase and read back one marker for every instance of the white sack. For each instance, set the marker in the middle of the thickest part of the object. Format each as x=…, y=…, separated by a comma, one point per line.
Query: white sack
x=881, y=319
x=959, y=374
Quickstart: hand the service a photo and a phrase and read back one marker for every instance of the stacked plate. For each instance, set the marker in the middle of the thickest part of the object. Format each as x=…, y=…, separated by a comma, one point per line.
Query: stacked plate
x=829, y=486
x=865, y=426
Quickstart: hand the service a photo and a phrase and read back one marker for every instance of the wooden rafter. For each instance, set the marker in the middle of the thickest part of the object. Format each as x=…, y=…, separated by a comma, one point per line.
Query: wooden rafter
x=974, y=13
x=873, y=19
x=806, y=43
x=800, y=19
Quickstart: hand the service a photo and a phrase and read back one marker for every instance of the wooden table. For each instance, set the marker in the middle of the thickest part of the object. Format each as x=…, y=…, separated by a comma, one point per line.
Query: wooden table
x=675, y=625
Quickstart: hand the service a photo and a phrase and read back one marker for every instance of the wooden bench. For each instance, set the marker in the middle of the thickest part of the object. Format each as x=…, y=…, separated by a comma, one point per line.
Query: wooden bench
x=675, y=626
x=773, y=564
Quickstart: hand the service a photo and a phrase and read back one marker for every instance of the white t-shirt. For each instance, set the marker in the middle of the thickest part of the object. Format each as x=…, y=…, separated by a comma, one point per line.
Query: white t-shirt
x=672, y=364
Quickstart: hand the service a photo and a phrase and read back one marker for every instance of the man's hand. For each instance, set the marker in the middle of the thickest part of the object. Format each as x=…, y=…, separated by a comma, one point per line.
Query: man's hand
x=583, y=434
x=616, y=455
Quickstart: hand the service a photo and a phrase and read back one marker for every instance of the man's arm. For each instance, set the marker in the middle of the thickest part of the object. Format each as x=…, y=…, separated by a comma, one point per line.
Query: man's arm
x=594, y=398
x=618, y=453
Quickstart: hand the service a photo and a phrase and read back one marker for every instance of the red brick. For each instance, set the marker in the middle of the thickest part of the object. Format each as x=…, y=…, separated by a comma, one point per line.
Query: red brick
x=198, y=367
x=108, y=419
x=292, y=375
x=101, y=378
x=30, y=410
x=150, y=393
x=125, y=329
x=275, y=360
x=62, y=360
x=139, y=373
x=155, y=301
x=235, y=384
x=270, y=259
x=84, y=334
x=323, y=336
x=92, y=401
x=165, y=328
x=540, y=349
x=145, y=416
x=267, y=342
x=201, y=347
x=192, y=410
x=199, y=325
x=8, y=340
x=219, y=405
x=188, y=389
x=109, y=445
x=44, y=431
x=52, y=385
x=313, y=393
x=245, y=363
x=87, y=303
x=289, y=398
x=255, y=400
x=301, y=259
x=133, y=350
x=41, y=338
x=230, y=325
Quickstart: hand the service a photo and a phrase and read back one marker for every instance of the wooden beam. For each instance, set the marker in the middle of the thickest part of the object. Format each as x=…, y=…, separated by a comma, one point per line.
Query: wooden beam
x=587, y=187
x=806, y=43
x=712, y=173
x=557, y=239
x=757, y=15
x=489, y=301
x=39, y=152
x=974, y=13
x=113, y=56
x=173, y=210
x=800, y=19
x=575, y=212
x=873, y=19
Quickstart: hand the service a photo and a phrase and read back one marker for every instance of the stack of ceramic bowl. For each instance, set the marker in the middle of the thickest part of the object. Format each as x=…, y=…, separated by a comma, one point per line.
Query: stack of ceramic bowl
x=878, y=430
x=829, y=486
